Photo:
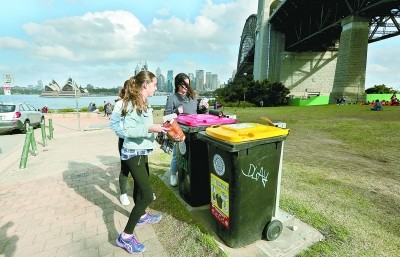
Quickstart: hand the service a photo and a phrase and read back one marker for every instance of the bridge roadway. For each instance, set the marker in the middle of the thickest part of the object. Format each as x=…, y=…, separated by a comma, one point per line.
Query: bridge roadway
x=316, y=24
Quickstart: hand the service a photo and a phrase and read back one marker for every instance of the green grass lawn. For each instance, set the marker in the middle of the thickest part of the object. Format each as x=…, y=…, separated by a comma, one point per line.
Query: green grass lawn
x=340, y=175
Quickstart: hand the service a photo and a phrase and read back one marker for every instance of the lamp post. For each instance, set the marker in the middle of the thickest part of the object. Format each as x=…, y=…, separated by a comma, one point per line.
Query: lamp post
x=244, y=92
x=77, y=111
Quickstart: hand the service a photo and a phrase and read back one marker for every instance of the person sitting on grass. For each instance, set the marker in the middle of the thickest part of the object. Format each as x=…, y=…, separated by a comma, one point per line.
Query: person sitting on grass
x=394, y=100
x=377, y=106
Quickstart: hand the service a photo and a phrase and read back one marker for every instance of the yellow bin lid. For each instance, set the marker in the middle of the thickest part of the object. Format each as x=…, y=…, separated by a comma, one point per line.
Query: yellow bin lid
x=242, y=132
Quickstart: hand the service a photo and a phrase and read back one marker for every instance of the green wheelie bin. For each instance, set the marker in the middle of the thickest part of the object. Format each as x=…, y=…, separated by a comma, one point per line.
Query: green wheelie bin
x=193, y=174
x=245, y=164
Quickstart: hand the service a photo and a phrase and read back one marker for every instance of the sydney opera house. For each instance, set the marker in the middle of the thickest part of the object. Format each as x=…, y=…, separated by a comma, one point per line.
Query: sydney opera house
x=70, y=89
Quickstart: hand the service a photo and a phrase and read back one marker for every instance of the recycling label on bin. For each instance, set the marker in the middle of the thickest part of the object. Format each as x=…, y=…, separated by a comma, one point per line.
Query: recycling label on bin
x=220, y=200
x=219, y=165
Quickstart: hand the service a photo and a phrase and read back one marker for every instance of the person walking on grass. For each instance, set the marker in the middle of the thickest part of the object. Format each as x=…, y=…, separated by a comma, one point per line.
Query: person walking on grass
x=184, y=101
x=139, y=132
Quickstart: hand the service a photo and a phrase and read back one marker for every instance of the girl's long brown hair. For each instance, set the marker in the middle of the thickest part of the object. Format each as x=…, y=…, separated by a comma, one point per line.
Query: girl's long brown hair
x=133, y=92
x=123, y=89
x=180, y=80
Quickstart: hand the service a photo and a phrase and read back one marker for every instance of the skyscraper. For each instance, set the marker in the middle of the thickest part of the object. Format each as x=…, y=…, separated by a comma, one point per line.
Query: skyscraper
x=200, y=80
x=40, y=85
x=137, y=69
x=214, y=82
x=192, y=79
x=161, y=83
x=141, y=67
x=208, y=86
x=170, y=81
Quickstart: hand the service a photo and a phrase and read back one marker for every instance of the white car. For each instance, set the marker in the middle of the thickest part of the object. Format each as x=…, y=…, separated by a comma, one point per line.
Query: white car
x=17, y=116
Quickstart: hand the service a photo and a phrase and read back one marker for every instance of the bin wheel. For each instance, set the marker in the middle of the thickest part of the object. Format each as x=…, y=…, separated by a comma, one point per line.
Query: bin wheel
x=273, y=230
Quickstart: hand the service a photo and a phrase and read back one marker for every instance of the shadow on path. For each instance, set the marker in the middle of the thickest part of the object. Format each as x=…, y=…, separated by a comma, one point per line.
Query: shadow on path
x=7, y=244
x=98, y=186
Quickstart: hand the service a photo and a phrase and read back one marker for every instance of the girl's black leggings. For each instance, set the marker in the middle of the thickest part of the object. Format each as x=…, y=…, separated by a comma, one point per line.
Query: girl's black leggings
x=123, y=175
x=139, y=169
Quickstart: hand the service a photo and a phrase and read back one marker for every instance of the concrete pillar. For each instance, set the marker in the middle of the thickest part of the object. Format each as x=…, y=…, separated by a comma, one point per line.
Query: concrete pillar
x=276, y=47
x=261, y=44
x=308, y=73
x=351, y=64
x=269, y=44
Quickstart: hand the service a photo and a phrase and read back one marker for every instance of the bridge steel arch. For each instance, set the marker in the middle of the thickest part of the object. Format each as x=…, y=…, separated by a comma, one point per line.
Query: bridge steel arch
x=246, y=49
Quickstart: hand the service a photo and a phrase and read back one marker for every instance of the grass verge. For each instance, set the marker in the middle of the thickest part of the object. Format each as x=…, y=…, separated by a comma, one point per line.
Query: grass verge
x=340, y=175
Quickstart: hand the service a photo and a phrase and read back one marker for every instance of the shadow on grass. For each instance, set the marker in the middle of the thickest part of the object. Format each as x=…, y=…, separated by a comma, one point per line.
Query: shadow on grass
x=334, y=233
x=180, y=225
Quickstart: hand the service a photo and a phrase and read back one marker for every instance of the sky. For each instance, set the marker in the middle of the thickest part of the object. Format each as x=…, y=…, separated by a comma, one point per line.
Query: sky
x=100, y=42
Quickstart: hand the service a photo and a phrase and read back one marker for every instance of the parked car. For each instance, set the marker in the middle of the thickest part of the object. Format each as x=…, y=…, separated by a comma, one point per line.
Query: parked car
x=17, y=116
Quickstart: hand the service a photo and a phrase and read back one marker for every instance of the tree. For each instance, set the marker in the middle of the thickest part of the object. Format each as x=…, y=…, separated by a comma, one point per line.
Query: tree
x=380, y=89
x=272, y=94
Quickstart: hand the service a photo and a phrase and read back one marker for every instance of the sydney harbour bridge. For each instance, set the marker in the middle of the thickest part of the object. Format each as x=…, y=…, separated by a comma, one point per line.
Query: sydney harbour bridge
x=316, y=47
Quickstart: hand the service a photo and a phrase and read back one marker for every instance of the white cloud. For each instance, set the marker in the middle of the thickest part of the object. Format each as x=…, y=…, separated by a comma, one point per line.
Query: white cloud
x=9, y=43
x=94, y=37
x=103, y=48
x=163, y=11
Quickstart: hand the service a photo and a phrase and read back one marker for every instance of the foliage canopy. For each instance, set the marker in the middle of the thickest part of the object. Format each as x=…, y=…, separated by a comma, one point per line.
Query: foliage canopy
x=256, y=92
x=380, y=89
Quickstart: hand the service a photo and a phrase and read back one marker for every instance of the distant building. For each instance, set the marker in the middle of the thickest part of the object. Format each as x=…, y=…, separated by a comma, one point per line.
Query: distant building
x=141, y=67
x=214, y=82
x=158, y=71
x=200, y=80
x=191, y=78
x=208, y=86
x=170, y=81
x=40, y=85
x=70, y=89
x=52, y=86
x=161, y=83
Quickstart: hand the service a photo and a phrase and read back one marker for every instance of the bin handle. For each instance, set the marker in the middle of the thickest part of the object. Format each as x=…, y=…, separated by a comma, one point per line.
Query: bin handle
x=268, y=121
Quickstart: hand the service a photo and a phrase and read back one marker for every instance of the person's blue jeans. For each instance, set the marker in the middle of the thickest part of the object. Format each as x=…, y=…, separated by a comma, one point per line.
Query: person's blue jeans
x=174, y=161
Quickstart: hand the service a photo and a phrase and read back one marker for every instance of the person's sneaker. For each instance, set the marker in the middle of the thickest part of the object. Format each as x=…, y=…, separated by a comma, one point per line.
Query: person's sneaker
x=131, y=245
x=124, y=199
x=149, y=219
x=173, y=180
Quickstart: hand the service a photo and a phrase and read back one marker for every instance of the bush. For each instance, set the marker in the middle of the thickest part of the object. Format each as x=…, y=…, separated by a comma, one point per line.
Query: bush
x=271, y=94
x=380, y=89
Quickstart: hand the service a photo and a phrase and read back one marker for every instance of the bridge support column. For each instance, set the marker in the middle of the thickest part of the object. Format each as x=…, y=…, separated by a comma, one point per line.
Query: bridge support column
x=351, y=64
x=269, y=44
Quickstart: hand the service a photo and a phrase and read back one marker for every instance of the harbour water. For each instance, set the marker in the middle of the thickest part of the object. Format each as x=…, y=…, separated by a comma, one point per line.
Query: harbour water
x=56, y=103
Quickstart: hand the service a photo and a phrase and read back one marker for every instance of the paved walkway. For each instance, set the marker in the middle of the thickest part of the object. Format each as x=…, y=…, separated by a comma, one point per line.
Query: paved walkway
x=64, y=202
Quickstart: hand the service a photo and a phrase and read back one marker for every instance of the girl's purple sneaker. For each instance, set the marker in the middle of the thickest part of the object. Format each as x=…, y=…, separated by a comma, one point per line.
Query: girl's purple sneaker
x=131, y=245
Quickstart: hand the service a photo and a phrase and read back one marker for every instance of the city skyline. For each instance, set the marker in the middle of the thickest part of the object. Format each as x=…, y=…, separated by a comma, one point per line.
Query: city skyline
x=200, y=82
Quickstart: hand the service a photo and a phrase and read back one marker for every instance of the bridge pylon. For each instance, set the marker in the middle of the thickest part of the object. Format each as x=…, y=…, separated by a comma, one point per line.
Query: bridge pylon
x=269, y=44
x=351, y=63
